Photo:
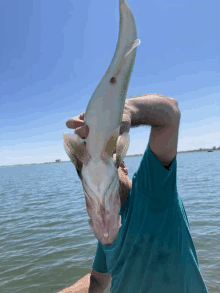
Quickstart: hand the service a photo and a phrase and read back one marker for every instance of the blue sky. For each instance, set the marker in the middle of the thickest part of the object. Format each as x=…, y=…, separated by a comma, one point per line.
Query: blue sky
x=54, y=53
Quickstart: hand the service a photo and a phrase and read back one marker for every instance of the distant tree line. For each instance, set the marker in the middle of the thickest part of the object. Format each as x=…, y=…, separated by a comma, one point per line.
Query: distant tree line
x=214, y=148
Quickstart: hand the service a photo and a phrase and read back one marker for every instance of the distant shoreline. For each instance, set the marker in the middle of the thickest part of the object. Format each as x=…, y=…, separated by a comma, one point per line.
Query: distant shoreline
x=138, y=155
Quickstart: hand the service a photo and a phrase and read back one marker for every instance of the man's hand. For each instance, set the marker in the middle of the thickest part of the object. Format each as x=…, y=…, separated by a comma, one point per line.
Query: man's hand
x=82, y=130
x=78, y=123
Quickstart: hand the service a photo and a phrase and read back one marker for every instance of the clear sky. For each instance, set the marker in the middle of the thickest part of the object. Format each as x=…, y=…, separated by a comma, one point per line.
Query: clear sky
x=54, y=53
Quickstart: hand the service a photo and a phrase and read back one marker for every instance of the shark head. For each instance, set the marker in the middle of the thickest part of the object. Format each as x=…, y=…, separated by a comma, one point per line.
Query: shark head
x=101, y=189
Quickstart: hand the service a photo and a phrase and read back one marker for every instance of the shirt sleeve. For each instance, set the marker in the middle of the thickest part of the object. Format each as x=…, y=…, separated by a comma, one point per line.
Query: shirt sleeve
x=99, y=263
x=156, y=182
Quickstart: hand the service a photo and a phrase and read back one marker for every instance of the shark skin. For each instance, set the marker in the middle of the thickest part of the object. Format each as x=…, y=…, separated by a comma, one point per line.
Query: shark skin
x=103, y=116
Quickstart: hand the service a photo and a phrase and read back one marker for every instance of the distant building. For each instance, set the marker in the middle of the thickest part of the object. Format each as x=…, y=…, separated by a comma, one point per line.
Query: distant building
x=58, y=161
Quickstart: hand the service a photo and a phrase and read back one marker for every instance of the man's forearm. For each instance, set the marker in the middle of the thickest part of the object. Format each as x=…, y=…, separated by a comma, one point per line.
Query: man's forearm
x=86, y=284
x=152, y=109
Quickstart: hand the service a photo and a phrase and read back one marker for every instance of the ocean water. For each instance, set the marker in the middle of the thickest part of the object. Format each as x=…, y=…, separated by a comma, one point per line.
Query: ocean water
x=45, y=240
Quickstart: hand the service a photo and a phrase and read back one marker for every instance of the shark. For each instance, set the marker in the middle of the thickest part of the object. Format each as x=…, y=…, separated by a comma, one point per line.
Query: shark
x=103, y=116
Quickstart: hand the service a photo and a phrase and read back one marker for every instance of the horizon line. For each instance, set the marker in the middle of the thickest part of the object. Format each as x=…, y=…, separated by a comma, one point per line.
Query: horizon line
x=135, y=155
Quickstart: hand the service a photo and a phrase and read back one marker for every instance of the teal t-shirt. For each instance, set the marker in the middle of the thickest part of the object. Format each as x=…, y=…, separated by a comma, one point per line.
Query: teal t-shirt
x=154, y=251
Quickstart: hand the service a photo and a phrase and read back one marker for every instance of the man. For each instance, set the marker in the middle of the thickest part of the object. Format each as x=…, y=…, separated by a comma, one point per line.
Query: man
x=154, y=251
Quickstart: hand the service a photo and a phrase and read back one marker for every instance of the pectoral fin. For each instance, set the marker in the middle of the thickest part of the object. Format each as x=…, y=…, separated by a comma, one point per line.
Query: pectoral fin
x=122, y=148
x=76, y=150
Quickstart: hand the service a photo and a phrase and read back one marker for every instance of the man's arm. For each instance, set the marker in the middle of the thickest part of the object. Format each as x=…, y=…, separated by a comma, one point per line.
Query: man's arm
x=91, y=283
x=163, y=114
x=159, y=111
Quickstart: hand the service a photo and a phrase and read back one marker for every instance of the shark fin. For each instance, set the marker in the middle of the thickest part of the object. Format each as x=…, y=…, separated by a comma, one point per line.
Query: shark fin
x=134, y=45
x=122, y=148
x=110, y=145
x=76, y=149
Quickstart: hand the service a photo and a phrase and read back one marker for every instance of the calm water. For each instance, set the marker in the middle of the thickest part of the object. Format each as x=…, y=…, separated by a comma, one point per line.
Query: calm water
x=45, y=240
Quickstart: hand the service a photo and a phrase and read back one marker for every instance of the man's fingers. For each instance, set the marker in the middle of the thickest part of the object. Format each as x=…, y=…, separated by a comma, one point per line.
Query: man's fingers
x=81, y=116
x=125, y=124
x=76, y=122
x=82, y=131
